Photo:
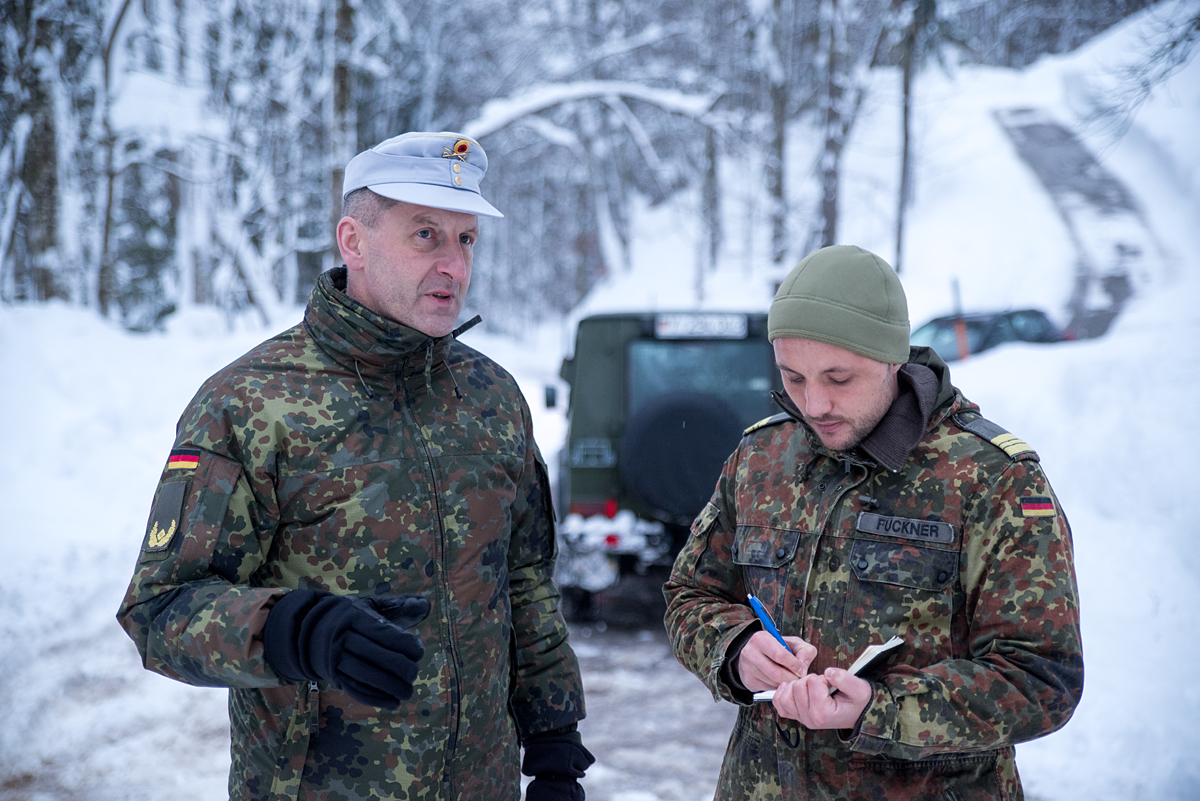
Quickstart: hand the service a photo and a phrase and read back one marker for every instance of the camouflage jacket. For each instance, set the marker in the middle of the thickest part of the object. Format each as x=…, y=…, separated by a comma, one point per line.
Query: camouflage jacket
x=963, y=552
x=359, y=456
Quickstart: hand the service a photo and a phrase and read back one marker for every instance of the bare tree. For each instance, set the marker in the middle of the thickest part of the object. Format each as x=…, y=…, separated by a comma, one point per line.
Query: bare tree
x=923, y=32
x=105, y=289
x=1171, y=43
x=851, y=34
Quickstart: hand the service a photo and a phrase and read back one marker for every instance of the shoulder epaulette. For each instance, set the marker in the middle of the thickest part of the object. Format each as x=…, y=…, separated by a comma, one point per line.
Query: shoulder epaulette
x=1011, y=444
x=767, y=421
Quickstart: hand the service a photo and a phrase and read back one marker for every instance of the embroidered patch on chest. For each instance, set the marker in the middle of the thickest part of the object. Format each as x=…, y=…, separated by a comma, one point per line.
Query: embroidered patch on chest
x=905, y=527
x=1037, y=506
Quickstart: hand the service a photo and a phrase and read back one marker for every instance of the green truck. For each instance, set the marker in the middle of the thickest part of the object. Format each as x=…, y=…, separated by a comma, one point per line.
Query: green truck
x=657, y=403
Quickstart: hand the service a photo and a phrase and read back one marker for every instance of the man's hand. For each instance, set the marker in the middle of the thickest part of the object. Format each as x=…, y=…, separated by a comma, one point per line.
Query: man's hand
x=557, y=762
x=361, y=645
x=808, y=699
x=764, y=664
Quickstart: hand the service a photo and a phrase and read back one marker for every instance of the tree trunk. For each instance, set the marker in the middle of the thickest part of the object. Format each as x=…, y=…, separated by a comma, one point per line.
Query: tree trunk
x=905, y=151
x=13, y=156
x=344, y=124
x=776, y=162
x=712, y=199
x=775, y=170
x=431, y=77
x=833, y=124
x=106, y=280
x=710, y=215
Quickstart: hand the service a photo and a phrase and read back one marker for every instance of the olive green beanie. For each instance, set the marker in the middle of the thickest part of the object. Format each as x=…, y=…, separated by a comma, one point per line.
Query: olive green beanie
x=844, y=296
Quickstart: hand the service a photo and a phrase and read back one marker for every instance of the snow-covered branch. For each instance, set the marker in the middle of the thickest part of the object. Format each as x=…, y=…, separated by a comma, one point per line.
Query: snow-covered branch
x=502, y=112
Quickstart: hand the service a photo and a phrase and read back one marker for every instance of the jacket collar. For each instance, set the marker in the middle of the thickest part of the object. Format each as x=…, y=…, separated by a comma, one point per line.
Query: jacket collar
x=363, y=341
x=903, y=424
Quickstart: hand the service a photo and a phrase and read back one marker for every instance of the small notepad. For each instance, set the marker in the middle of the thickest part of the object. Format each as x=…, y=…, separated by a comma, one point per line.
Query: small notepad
x=869, y=654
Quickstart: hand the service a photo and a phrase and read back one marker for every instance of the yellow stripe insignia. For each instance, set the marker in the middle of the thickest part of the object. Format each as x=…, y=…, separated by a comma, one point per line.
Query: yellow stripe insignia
x=1013, y=447
x=766, y=421
x=1010, y=444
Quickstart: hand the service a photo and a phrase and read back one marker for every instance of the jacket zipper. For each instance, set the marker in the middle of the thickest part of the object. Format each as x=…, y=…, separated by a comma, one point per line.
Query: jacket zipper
x=442, y=583
x=314, y=711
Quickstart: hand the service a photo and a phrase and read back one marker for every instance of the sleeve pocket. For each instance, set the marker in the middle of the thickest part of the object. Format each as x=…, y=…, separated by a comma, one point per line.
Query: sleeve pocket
x=693, y=550
x=204, y=513
x=189, y=515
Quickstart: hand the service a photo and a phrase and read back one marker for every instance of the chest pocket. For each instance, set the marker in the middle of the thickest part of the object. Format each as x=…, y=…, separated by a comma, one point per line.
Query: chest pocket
x=905, y=589
x=766, y=556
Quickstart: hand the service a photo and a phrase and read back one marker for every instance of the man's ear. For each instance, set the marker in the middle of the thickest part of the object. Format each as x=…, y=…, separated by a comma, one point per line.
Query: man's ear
x=352, y=243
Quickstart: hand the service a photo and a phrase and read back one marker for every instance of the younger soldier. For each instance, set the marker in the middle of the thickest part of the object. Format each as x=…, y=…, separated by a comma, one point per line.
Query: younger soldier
x=880, y=503
x=353, y=531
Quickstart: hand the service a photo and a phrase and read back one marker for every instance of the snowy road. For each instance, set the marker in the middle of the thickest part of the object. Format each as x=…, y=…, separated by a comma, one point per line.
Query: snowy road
x=654, y=728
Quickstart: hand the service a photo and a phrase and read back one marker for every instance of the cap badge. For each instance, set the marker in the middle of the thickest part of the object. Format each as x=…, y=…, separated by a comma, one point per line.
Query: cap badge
x=459, y=151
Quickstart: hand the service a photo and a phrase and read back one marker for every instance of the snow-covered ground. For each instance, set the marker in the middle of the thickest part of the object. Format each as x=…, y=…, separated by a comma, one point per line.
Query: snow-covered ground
x=89, y=412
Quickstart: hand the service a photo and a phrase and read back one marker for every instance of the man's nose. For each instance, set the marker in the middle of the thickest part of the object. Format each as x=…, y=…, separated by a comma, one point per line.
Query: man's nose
x=454, y=261
x=817, y=402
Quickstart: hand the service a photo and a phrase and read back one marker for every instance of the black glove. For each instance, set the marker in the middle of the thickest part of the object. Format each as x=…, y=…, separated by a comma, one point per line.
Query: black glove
x=557, y=761
x=360, y=645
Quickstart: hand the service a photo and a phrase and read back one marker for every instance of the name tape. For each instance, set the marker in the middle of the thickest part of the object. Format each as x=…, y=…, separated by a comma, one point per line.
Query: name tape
x=905, y=527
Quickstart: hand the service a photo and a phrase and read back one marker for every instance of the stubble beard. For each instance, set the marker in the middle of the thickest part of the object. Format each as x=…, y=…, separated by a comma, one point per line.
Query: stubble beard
x=444, y=318
x=860, y=427
x=858, y=432
x=408, y=309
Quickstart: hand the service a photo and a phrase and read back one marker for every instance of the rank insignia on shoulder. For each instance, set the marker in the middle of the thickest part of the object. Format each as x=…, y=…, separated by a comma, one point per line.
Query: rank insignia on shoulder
x=766, y=421
x=1037, y=506
x=1011, y=444
x=184, y=459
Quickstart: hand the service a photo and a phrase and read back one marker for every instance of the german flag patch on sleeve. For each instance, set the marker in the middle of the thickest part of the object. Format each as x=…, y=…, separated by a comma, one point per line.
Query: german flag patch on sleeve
x=1037, y=506
x=184, y=459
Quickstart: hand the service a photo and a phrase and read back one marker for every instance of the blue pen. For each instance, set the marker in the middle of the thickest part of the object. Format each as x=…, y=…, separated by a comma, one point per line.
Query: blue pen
x=761, y=611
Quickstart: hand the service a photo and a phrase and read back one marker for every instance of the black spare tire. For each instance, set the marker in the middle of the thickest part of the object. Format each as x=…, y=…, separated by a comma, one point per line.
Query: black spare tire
x=672, y=452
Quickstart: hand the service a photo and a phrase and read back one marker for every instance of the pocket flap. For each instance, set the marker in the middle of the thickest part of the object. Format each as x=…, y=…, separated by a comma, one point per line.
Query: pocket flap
x=764, y=547
x=903, y=564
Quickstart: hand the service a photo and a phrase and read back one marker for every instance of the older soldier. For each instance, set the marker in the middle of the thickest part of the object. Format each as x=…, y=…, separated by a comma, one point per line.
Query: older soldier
x=880, y=503
x=353, y=531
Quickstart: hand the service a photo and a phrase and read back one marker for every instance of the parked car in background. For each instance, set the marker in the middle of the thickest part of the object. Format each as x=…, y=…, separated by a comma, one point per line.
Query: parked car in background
x=985, y=330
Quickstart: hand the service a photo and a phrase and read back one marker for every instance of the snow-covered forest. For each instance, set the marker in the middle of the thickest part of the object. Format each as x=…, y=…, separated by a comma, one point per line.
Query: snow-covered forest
x=163, y=154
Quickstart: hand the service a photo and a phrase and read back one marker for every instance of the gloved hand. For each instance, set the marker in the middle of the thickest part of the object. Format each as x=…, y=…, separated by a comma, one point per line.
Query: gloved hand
x=557, y=761
x=358, y=644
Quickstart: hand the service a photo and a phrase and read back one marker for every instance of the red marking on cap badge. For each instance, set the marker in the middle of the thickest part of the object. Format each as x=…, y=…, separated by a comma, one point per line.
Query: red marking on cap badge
x=460, y=150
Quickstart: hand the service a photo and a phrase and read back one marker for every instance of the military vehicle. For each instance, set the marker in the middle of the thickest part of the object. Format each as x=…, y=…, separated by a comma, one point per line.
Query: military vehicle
x=658, y=401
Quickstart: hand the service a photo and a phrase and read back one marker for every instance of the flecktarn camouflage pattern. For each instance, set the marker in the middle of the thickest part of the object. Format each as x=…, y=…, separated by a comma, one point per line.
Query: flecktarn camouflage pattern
x=358, y=456
x=964, y=553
